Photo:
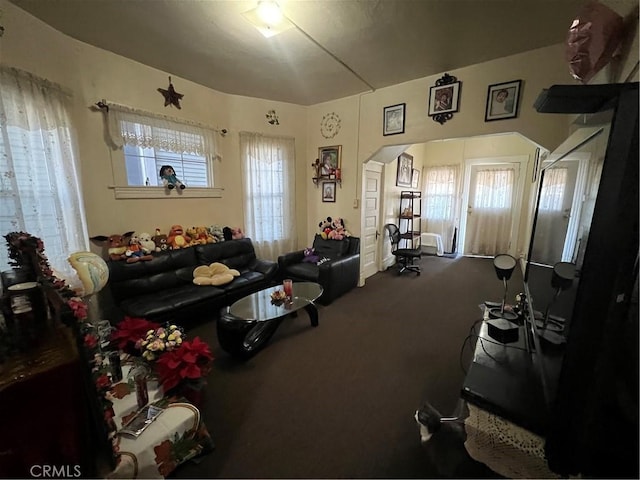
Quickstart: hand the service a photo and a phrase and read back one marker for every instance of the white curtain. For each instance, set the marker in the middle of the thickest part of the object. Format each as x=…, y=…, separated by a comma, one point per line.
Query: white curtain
x=441, y=188
x=40, y=190
x=128, y=126
x=489, y=226
x=547, y=247
x=268, y=171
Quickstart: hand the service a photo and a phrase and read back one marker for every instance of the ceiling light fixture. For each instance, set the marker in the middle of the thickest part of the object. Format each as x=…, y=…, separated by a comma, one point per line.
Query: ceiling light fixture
x=268, y=18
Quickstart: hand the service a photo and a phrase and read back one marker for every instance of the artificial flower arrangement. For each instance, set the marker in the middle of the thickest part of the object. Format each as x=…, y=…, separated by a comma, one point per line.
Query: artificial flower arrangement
x=178, y=363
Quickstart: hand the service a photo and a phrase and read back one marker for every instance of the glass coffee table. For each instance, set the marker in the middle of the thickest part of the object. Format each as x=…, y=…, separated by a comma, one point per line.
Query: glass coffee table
x=246, y=326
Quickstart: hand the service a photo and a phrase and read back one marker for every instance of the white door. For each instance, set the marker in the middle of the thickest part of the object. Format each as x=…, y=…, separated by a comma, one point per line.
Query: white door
x=370, y=248
x=492, y=199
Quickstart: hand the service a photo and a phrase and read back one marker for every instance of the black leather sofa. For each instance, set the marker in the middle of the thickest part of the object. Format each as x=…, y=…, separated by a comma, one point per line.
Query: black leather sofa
x=336, y=276
x=162, y=289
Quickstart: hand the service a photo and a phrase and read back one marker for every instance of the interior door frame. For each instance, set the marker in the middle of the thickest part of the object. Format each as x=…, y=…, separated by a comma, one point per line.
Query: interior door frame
x=377, y=167
x=522, y=161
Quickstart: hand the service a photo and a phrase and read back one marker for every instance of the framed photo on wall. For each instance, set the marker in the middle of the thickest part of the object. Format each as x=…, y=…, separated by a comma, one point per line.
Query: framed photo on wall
x=502, y=101
x=393, y=119
x=415, y=178
x=329, y=192
x=330, y=160
x=444, y=98
x=405, y=168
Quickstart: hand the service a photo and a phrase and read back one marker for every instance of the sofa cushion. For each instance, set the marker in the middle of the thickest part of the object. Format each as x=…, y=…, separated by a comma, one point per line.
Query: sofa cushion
x=156, y=304
x=330, y=248
x=303, y=271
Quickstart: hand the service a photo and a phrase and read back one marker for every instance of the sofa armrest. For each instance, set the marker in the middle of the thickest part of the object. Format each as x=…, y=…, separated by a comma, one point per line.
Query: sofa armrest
x=338, y=276
x=266, y=267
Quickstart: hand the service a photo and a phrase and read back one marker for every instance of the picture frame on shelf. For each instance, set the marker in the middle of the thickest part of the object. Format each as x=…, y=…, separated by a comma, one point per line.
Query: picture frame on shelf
x=405, y=168
x=415, y=178
x=329, y=192
x=503, y=100
x=444, y=98
x=330, y=160
x=393, y=119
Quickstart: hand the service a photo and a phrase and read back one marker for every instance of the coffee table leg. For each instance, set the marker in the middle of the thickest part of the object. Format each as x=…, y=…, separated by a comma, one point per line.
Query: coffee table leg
x=312, y=310
x=242, y=338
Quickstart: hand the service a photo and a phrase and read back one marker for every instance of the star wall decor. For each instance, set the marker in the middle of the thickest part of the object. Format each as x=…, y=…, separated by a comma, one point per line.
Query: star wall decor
x=171, y=97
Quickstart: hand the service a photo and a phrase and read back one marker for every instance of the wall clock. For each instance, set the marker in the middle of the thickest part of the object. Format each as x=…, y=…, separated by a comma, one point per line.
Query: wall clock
x=330, y=125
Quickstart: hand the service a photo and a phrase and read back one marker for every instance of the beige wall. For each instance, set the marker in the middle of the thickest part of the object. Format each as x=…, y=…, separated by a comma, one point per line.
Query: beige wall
x=93, y=74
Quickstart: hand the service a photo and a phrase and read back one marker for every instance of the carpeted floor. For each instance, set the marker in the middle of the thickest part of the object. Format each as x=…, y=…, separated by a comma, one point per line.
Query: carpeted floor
x=337, y=401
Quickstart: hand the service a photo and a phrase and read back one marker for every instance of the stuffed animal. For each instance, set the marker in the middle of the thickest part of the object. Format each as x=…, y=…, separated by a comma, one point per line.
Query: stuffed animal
x=310, y=256
x=177, y=238
x=116, y=244
x=216, y=232
x=169, y=178
x=160, y=241
x=203, y=235
x=214, y=274
x=325, y=227
x=146, y=243
x=134, y=252
x=192, y=234
x=338, y=232
x=232, y=233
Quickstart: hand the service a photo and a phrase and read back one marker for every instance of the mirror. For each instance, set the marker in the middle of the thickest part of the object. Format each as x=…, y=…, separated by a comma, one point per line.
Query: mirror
x=566, y=195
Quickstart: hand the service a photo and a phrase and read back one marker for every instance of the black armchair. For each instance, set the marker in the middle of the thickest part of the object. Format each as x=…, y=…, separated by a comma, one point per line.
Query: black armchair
x=337, y=276
x=404, y=256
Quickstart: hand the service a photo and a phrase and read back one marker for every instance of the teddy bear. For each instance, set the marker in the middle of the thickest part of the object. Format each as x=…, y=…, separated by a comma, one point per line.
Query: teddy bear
x=134, y=251
x=232, y=233
x=160, y=241
x=146, y=243
x=177, y=238
x=193, y=235
x=214, y=274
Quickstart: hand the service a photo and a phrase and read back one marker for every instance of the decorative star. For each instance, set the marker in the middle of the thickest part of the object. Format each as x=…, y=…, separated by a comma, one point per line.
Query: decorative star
x=171, y=97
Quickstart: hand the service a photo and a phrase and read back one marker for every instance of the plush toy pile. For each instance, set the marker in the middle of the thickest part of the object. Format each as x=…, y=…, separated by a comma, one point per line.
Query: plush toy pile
x=134, y=247
x=214, y=274
x=333, y=229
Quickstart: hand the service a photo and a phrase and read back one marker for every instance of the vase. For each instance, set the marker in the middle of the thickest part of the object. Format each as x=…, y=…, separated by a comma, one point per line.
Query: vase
x=142, y=390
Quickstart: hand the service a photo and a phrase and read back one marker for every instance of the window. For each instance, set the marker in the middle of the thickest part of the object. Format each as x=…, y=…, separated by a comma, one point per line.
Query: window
x=494, y=189
x=552, y=192
x=268, y=170
x=143, y=167
x=39, y=186
x=441, y=201
x=150, y=141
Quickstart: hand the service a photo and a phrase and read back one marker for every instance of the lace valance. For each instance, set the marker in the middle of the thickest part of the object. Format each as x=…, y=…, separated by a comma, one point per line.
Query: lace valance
x=128, y=126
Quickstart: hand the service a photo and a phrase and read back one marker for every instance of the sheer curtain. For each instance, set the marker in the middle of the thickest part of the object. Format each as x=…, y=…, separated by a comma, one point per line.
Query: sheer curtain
x=268, y=171
x=489, y=226
x=546, y=248
x=40, y=189
x=441, y=192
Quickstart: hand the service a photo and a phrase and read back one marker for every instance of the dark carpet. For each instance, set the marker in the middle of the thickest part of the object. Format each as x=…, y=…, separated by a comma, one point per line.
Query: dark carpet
x=337, y=401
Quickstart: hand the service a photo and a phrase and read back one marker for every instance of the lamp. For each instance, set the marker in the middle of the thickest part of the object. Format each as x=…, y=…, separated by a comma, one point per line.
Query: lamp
x=550, y=325
x=504, y=265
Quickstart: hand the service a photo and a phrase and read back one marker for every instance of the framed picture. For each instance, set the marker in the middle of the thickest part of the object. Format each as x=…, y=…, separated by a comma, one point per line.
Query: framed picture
x=330, y=160
x=328, y=191
x=393, y=119
x=415, y=178
x=444, y=98
x=405, y=167
x=502, y=100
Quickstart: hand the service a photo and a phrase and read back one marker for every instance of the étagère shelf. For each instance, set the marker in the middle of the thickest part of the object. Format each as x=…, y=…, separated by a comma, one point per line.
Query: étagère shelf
x=409, y=218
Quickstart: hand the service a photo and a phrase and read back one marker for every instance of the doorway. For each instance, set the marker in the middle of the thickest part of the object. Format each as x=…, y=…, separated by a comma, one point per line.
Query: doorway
x=372, y=190
x=492, y=198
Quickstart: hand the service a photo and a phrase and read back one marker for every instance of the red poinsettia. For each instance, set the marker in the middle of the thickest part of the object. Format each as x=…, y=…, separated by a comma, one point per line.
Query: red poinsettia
x=79, y=308
x=130, y=330
x=191, y=361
